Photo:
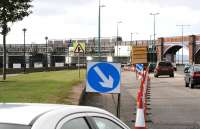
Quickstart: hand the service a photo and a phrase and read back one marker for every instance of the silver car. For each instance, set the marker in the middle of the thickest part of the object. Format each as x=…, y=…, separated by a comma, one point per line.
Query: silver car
x=52, y=116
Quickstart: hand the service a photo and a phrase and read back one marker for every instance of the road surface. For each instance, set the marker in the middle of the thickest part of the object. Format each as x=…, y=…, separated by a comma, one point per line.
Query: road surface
x=173, y=105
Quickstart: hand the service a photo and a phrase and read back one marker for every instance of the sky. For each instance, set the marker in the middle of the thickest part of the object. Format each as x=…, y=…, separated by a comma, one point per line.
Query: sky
x=65, y=19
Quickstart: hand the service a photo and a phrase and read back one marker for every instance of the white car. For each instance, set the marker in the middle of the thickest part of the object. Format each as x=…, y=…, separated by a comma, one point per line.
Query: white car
x=54, y=116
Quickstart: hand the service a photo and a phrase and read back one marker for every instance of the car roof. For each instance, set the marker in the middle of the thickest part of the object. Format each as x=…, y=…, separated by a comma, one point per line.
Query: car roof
x=28, y=113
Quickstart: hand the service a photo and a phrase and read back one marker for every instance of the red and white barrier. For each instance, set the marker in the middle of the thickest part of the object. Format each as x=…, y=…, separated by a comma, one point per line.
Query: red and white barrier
x=141, y=115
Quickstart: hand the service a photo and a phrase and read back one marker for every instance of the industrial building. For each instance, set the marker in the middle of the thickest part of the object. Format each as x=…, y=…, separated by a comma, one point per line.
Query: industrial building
x=60, y=53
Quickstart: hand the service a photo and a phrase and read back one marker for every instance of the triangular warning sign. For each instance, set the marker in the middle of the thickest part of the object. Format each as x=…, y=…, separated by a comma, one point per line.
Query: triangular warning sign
x=79, y=49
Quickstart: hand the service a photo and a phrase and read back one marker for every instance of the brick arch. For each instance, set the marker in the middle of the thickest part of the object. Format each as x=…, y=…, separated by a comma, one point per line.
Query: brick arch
x=196, y=56
x=172, y=49
x=169, y=52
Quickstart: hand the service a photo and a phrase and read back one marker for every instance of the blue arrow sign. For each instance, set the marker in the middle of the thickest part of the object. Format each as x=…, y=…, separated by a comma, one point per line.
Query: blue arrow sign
x=103, y=77
x=139, y=67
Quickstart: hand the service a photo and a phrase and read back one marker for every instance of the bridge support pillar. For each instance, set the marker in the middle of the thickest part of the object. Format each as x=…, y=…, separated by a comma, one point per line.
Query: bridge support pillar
x=160, y=49
x=192, y=48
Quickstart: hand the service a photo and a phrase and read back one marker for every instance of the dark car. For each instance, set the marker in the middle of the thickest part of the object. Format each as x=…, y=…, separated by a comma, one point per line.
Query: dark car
x=174, y=65
x=192, y=76
x=164, y=68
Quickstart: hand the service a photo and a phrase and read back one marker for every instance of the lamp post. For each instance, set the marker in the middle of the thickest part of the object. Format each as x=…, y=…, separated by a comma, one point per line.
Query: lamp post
x=154, y=28
x=46, y=66
x=131, y=38
x=99, y=28
x=182, y=28
x=132, y=33
x=24, y=30
x=118, y=34
x=151, y=48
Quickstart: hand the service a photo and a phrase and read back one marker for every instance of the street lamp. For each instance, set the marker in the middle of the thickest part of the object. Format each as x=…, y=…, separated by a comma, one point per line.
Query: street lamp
x=99, y=28
x=46, y=66
x=118, y=34
x=150, y=48
x=24, y=30
x=154, y=28
x=132, y=36
x=182, y=28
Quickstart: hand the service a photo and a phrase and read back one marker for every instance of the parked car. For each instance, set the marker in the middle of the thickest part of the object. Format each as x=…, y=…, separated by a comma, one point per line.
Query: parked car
x=192, y=76
x=174, y=66
x=164, y=68
x=53, y=116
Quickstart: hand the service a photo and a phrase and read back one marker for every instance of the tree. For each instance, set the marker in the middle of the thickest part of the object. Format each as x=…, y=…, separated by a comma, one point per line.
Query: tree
x=11, y=11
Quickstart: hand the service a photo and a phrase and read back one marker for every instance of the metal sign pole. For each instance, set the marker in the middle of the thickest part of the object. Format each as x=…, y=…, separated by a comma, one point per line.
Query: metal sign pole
x=79, y=65
x=118, y=105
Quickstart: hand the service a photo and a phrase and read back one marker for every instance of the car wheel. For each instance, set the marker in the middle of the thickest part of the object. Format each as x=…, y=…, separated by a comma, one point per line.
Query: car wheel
x=155, y=75
x=191, y=85
x=172, y=75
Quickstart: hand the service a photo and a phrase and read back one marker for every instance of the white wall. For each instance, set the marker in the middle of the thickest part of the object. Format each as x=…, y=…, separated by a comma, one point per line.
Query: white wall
x=123, y=51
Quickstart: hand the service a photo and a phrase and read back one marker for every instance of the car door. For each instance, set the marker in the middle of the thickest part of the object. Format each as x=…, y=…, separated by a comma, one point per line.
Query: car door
x=104, y=121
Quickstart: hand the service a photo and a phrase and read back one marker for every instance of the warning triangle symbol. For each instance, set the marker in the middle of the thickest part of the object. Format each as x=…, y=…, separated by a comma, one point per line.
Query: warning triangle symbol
x=79, y=49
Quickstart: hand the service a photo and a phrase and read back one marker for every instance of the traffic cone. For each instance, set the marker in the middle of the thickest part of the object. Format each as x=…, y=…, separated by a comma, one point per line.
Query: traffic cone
x=133, y=69
x=140, y=118
x=139, y=95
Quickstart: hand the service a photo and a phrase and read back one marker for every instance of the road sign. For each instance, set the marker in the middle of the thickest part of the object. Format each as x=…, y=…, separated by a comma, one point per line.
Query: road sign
x=79, y=47
x=103, y=77
x=139, y=55
x=139, y=67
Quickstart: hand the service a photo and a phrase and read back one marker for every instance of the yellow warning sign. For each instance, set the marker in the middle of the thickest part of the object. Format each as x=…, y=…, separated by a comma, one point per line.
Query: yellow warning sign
x=79, y=47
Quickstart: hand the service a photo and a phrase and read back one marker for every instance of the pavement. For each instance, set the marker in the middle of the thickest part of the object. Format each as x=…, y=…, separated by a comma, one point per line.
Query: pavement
x=9, y=75
x=129, y=86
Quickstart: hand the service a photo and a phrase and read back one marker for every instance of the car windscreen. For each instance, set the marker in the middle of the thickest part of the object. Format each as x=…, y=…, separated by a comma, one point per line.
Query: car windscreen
x=14, y=126
x=165, y=64
x=196, y=68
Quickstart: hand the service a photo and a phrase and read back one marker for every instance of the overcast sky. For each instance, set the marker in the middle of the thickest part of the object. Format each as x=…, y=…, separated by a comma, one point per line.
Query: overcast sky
x=65, y=19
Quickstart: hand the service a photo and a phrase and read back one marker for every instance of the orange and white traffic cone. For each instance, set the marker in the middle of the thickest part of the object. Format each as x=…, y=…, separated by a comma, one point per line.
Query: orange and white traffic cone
x=140, y=118
x=139, y=95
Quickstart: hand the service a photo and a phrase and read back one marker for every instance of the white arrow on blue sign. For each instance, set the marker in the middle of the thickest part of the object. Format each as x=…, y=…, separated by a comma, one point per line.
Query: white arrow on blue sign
x=139, y=67
x=103, y=77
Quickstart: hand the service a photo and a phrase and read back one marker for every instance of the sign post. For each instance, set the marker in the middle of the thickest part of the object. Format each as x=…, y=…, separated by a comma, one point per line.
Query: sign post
x=103, y=77
x=139, y=69
x=79, y=48
x=118, y=105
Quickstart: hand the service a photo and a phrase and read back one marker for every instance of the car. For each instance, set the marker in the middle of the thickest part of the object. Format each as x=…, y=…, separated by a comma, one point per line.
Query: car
x=192, y=76
x=164, y=68
x=174, y=65
x=55, y=116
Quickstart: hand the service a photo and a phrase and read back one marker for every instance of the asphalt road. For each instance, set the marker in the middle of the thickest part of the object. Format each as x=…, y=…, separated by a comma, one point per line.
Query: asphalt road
x=173, y=105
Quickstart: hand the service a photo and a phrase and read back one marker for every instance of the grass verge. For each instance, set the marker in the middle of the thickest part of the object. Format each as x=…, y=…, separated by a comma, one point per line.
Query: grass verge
x=42, y=87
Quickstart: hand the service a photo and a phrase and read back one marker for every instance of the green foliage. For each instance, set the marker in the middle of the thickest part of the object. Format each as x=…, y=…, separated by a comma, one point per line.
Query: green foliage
x=12, y=11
